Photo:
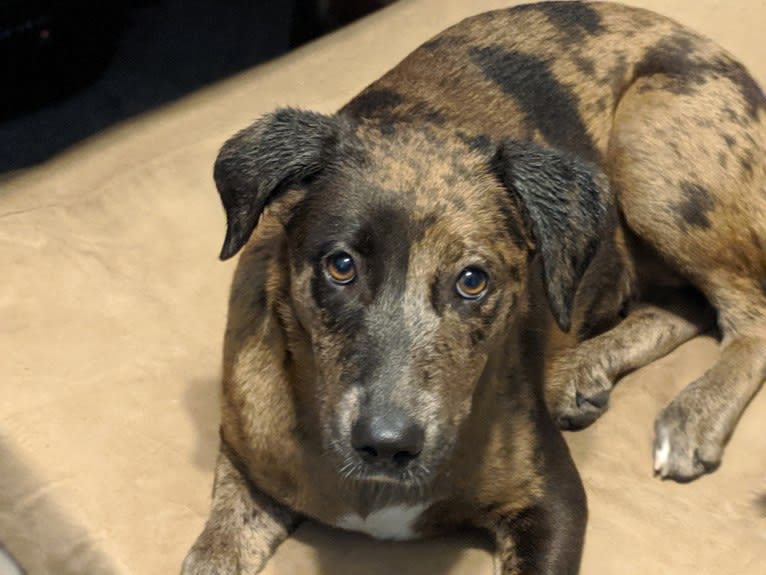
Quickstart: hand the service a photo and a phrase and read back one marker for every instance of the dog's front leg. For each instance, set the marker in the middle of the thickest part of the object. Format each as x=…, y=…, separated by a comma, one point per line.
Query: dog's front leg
x=539, y=541
x=244, y=528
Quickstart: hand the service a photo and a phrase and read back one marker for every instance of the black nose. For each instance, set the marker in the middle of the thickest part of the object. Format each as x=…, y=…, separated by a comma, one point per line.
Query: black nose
x=387, y=439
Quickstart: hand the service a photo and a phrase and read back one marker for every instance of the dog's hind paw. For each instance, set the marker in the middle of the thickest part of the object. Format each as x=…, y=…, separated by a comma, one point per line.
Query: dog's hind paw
x=684, y=449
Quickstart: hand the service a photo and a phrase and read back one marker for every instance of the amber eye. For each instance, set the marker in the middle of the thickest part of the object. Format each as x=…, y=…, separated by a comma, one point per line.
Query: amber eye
x=341, y=268
x=472, y=283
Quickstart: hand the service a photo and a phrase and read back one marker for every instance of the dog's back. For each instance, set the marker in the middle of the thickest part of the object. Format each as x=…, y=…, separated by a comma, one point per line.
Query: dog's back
x=679, y=126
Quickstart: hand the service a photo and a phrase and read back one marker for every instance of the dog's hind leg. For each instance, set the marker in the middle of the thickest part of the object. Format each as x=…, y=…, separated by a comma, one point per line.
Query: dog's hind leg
x=691, y=432
x=687, y=158
x=580, y=379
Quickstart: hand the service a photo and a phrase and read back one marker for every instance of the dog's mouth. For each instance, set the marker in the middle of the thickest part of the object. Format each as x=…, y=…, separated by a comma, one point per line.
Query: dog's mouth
x=415, y=476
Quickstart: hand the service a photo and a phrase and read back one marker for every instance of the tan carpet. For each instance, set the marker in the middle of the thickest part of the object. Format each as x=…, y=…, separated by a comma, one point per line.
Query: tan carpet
x=112, y=307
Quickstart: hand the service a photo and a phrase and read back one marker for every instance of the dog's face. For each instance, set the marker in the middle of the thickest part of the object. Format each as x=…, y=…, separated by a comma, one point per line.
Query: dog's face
x=407, y=261
x=404, y=271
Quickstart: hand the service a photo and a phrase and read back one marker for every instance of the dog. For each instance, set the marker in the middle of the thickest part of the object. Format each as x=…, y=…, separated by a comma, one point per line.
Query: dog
x=382, y=367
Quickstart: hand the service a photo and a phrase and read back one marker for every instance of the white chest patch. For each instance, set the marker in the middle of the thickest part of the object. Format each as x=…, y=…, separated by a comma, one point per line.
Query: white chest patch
x=393, y=522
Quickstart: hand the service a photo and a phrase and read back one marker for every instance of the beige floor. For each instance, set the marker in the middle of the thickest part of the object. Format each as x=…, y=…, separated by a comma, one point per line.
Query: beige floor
x=112, y=308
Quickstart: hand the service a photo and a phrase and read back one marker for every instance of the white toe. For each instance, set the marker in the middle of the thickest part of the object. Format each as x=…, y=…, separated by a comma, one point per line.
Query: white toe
x=661, y=455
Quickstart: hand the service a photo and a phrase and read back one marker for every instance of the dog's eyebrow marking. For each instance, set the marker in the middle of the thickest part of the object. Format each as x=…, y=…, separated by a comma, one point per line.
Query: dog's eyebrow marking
x=394, y=522
x=546, y=103
x=696, y=204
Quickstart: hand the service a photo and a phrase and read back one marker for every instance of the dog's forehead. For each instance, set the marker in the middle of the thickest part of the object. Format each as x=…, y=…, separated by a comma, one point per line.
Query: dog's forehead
x=413, y=193
x=434, y=175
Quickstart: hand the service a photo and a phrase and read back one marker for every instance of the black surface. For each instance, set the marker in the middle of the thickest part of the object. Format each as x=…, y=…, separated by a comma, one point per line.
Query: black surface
x=125, y=61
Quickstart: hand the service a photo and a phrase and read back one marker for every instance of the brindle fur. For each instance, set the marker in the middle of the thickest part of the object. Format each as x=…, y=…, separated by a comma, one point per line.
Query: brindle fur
x=487, y=145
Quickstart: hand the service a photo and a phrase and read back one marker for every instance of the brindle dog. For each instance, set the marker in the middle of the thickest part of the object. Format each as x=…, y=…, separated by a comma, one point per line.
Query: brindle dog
x=381, y=365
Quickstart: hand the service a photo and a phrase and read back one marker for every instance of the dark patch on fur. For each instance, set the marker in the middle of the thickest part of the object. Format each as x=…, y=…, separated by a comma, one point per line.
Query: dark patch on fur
x=616, y=77
x=746, y=162
x=514, y=273
x=751, y=93
x=730, y=140
x=488, y=315
x=421, y=226
x=477, y=336
x=733, y=117
x=585, y=65
x=436, y=300
x=574, y=20
x=518, y=236
x=443, y=41
x=697, y=202
x=372, y=103
x=762, y=286
x=456, y=202
x=479, y=142
x=675, y=56
x=388, y=108
x=547, y=105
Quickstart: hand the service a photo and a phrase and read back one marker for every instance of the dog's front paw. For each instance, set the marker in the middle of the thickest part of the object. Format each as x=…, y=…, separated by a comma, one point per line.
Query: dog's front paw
x=208, y=562
x=219, y=557
x=578, y=391
x=685, y=442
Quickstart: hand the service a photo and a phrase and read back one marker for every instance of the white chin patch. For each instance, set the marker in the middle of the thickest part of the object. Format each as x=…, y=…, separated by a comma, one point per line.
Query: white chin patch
x=394, y=522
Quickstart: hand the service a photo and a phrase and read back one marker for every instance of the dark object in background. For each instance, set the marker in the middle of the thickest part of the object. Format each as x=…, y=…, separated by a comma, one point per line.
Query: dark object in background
x=49, y=49
x=318, y=17
x=69, y=69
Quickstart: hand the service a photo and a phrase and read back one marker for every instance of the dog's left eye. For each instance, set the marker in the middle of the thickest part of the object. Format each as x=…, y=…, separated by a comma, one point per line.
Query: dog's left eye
x=472, y=283
x=340, y=268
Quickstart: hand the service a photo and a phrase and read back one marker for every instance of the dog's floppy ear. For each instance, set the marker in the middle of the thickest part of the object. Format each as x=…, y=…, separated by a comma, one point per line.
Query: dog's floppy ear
x=279, y=150
x=567, y=206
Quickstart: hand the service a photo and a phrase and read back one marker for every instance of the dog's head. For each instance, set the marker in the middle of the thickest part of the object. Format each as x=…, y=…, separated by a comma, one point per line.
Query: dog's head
x=407, y=261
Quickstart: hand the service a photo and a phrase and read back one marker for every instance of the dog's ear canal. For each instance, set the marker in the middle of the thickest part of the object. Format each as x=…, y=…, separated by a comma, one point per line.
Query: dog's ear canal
x=254, y=166
x=568, y=208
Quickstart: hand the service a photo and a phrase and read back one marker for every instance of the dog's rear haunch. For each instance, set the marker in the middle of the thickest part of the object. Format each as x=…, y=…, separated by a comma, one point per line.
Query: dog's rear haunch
x=382, y=368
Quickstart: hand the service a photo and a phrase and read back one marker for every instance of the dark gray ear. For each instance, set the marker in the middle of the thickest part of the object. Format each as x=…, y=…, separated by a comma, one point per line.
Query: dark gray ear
x=567, y=205
x=279, y=150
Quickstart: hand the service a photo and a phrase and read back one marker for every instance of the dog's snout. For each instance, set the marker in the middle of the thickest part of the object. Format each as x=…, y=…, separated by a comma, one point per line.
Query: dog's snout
x=387, y=439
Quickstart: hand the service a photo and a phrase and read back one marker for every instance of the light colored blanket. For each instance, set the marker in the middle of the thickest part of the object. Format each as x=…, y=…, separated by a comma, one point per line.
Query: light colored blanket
x=112, y=309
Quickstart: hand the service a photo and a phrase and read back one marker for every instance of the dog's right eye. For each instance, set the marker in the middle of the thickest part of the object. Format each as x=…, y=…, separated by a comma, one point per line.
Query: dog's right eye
x=340, y=268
